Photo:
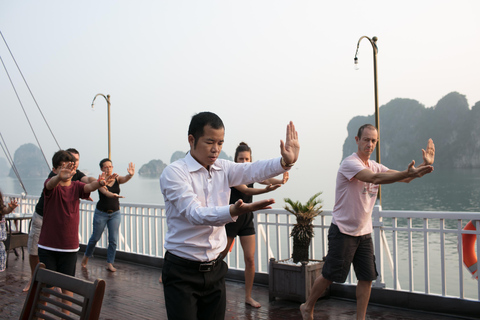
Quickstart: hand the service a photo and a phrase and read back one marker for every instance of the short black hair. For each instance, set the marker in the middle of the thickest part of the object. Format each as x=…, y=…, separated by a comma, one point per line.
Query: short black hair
x=200, y=120
x=61, y=156
x=103, y=161
x=360, y=130
x=242, y=146
x=73, y=150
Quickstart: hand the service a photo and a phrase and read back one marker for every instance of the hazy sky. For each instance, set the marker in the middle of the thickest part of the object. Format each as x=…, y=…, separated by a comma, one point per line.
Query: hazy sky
x=257, y=64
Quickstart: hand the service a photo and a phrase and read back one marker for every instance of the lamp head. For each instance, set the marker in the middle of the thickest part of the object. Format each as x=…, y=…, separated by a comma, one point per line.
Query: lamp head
x=356, y=63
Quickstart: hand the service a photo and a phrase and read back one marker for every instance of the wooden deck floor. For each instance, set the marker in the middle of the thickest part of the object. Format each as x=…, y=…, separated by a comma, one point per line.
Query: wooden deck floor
x=133, y=292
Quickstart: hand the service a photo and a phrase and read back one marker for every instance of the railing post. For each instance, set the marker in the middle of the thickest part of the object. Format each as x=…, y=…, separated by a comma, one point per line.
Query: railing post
x=258, y=248
x=477, y=229
x=377, y=222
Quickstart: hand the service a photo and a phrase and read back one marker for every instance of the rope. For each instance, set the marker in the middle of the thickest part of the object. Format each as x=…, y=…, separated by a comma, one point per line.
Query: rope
x=21, y=104
x=31, y=93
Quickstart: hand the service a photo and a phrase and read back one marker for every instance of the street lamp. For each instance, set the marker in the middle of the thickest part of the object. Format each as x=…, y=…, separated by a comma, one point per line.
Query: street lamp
x=107, y=98
x=373, y=42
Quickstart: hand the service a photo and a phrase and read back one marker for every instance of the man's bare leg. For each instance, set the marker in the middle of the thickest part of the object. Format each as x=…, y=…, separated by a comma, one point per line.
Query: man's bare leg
x=84, y=261
x=319, y=286
x=33, y=260
x=363, y=296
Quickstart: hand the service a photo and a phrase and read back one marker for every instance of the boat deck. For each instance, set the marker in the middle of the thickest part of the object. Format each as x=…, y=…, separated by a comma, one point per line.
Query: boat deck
x=134, y=292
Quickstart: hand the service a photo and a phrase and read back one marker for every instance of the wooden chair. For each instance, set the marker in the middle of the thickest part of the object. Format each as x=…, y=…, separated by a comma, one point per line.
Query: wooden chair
x=44, y=302
x=17, y=239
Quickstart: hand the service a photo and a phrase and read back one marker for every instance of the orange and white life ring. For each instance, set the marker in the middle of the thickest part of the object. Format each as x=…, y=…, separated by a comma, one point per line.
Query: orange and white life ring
x=469, y=255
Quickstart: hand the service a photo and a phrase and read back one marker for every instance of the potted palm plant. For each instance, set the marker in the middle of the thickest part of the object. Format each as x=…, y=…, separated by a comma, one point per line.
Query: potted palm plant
x=302, y=232
x=294, y=281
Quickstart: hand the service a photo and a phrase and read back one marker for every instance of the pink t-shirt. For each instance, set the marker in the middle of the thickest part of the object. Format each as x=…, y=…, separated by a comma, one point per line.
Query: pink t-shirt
x=354, y=199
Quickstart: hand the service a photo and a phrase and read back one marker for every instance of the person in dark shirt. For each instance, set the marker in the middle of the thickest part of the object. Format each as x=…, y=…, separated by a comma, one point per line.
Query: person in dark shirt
x=107, y=214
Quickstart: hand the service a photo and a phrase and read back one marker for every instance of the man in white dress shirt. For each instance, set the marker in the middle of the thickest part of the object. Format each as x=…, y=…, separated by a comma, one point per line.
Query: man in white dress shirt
x=196, y=190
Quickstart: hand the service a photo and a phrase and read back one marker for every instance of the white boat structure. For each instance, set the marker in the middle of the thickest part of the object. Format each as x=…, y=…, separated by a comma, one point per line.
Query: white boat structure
x=417, y=252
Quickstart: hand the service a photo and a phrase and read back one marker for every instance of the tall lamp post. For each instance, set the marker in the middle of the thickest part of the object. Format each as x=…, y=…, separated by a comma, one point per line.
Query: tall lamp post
x=107, y=98
x=373, y=42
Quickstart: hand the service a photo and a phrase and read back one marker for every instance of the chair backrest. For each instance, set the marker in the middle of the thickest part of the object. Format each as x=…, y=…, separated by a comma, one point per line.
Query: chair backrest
x=46, y=302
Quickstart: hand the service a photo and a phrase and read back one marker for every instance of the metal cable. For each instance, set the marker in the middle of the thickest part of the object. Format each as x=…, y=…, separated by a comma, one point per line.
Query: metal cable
x=12, y=164
x=31, y=93
x=26, y=116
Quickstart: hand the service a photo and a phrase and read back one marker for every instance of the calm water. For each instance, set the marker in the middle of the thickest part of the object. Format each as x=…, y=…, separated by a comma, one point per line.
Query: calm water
x=443, y=190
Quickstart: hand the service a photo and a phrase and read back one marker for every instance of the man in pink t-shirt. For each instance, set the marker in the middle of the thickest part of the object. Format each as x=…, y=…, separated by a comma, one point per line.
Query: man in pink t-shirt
x=349, y=236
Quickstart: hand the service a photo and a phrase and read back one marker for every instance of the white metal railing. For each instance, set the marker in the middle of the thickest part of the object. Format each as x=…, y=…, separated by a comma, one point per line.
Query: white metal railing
x=142, y=228
x=426, y=248
x=421, y=248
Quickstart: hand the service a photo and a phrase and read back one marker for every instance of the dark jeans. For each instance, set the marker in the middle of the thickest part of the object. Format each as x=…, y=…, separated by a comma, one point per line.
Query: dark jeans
x=191, y=294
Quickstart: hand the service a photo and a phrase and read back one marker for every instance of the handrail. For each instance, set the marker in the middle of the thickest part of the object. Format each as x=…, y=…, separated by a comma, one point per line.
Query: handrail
x=420, y=247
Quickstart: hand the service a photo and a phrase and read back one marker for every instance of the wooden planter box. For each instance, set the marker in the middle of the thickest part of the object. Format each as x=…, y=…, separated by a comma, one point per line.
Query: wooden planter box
x=293, y=282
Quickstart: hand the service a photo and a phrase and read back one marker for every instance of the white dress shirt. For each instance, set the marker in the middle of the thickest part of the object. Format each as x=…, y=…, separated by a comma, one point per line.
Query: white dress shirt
x=196, y=202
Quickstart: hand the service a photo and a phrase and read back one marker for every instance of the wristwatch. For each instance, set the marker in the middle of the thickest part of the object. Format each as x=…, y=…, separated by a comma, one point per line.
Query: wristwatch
x=284, y=164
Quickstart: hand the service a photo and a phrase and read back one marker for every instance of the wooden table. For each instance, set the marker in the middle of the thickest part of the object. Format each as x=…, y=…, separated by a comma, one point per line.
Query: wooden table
x=19, y=237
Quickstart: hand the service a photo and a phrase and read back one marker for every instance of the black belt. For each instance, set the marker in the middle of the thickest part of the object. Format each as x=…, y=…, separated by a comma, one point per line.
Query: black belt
x=197, y=265
x=108, y=211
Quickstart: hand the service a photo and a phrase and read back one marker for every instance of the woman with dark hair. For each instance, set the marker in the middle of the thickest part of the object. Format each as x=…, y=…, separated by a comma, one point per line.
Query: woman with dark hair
x=4, y=209
x=107, y=213
x=244, y=227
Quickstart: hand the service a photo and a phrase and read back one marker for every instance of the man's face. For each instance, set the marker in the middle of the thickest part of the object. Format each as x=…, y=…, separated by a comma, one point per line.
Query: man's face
x=77, y=159
x=368, y=141
x=208, y=146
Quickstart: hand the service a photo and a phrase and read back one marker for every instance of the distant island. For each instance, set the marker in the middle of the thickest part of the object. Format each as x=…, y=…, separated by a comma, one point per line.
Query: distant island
x=154, y=168
x=29, y=162
x=406, y=125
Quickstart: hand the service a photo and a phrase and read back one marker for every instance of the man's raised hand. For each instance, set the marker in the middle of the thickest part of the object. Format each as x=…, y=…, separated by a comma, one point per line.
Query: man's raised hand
x=291, y=148
x=429, y=153
x=418, y=172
